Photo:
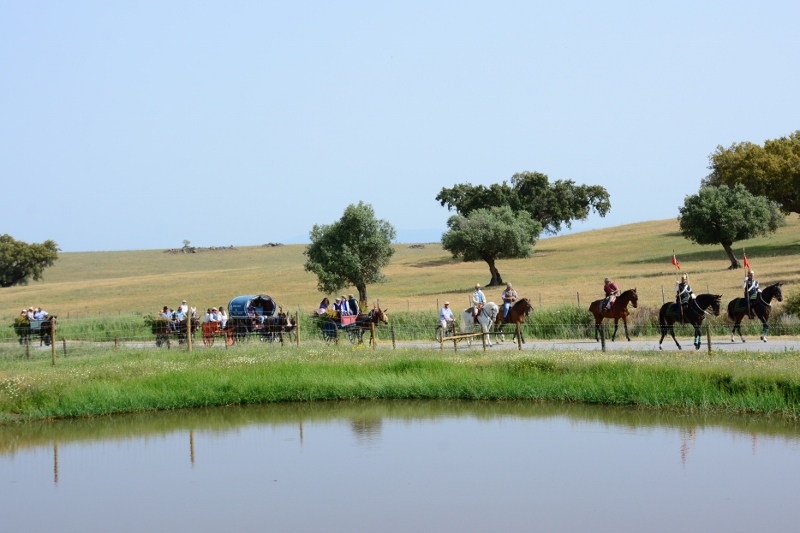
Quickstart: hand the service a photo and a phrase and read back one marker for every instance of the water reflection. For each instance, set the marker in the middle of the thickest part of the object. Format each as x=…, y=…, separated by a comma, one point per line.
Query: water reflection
x=437, y=465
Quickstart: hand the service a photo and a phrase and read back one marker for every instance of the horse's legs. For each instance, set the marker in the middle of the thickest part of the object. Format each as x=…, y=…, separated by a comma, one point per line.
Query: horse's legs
x=663, y=334
x=625, y=323
x=765, y=328
x=616, y=325
x=698, y=336
x=672, y=332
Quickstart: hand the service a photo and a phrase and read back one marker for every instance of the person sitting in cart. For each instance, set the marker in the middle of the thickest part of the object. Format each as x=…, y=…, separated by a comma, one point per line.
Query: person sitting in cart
x=223, y=317
x=352, y=305
x=40, y=314
x=346, y=311
x=166, y=313
x=337, y=306
x=30, y=313
x=323, y=306
x=177, y=317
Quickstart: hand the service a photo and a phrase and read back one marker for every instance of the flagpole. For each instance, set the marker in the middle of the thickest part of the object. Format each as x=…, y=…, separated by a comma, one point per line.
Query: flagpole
x=677, y=294
x=747, y=270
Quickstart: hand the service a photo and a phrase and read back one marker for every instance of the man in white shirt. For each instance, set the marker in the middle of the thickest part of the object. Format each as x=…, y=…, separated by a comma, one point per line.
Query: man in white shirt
x=478, y=299
x=446, y=315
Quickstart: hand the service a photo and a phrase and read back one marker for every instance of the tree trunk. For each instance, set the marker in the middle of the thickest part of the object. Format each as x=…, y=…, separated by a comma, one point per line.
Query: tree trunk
x=734, y=261
x=362, y=296
x=497, y=279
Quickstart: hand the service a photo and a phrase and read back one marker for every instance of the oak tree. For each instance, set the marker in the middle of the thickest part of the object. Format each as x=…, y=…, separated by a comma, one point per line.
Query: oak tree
x=20, y=261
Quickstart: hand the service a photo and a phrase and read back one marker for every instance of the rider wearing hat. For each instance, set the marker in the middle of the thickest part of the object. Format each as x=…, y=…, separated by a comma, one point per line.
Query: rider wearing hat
x=683, y=292
x=612, y=291
x=751, y=291
x=509, y=296
x=446, y=315
x=478, y=299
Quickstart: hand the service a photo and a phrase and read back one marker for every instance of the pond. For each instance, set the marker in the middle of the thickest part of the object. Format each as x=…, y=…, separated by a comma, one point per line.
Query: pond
x=401, y=466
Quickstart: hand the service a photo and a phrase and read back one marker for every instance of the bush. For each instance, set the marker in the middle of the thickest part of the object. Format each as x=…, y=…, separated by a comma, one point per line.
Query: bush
x=792, y=305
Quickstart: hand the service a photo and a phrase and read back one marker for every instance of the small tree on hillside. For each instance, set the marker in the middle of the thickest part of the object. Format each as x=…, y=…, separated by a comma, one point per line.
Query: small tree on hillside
x=20, y=261
x=491, y=234
x=721, y=215
x=351, y=251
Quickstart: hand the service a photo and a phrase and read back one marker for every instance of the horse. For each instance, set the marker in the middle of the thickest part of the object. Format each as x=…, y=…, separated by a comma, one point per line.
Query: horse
x=762, y=307
x=516, y=315
x=694, y=315
x=363, y=321
x=619, y=309
x=485, y=319
x=46, y=330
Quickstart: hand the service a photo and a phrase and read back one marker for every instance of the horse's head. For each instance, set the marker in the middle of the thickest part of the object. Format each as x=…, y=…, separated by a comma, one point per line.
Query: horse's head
x=526, y=305
x=632, y=297
x=716, y=303
x=381, y=316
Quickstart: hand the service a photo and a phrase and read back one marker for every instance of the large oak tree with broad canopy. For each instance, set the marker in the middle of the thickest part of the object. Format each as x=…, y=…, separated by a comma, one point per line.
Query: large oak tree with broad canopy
x=495, y=222
x=20, y=261
x=724, y=215
x=351, y=251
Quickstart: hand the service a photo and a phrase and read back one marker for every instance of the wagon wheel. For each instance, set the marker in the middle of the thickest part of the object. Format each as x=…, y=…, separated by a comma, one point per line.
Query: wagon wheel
x=438, y=335
x=354, y=335
x=329, y=330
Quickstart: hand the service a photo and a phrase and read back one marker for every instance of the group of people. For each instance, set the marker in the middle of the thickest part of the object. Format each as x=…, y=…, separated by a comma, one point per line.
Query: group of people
x=342, y=306
x=684, y=294
x=34, y=313
x=217, y=315
x=478, y=299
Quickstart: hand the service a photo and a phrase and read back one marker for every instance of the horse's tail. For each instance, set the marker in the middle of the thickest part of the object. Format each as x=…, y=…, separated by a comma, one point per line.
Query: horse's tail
x=731, y=307
x=662, y=318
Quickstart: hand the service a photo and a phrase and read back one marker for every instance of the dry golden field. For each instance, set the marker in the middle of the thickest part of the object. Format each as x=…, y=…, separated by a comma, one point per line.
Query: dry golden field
x=634, y=255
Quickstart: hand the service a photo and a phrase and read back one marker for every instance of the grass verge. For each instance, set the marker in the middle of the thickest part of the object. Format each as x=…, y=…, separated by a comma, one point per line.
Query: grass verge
x=134, y=380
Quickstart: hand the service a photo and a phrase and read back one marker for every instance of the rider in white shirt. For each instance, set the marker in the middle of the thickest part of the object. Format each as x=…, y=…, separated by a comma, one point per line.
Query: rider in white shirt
x=446, y=315
x=478, y=299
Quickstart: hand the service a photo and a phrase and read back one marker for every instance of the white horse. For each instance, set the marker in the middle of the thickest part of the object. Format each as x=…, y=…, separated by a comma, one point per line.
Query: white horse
x=486, y=318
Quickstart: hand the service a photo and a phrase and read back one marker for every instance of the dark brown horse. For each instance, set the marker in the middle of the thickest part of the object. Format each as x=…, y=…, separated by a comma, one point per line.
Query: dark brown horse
x=618, y=310
x=516, y=315
x=49, y=325
x=762, y=307
x=694, y=315
x=364, y=321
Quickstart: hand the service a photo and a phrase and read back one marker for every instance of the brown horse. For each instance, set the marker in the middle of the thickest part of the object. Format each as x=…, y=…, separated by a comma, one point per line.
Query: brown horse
x=46, y=330
x=364, y=321
x=762, y=308
x=516, y=315
x=619, y=309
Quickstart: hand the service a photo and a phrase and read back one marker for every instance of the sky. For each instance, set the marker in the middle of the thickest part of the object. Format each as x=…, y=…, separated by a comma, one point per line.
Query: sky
x=138, y=124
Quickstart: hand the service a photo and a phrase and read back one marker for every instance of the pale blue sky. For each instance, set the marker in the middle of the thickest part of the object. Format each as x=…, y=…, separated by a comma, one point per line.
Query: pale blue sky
x=133, y=125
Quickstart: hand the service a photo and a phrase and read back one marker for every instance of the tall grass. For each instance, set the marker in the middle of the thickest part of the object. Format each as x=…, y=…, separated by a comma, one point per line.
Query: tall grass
x=129, y=380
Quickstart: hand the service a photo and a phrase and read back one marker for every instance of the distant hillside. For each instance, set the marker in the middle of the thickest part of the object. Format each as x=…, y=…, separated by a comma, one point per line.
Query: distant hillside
x=634, y=255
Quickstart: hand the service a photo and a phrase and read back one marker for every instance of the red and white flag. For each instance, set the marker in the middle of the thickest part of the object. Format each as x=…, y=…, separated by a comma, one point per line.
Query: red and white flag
x=675, y=261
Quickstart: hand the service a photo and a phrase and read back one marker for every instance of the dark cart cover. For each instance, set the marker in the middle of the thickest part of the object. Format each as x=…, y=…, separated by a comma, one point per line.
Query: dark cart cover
x=239, y=306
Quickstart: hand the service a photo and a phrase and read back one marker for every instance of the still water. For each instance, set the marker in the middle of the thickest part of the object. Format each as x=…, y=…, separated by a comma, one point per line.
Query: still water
x=401, y=466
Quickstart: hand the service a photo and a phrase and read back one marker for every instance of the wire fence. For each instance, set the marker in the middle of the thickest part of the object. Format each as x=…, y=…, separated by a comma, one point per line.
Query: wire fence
x=79, y=336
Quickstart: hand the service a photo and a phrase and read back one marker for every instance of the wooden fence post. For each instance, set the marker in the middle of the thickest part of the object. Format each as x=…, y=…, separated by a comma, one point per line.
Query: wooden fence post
x=64, y=342
x=28, y=346
x=708, y=337
x=394, y=346
x=579, y=298
x=53, y=327
x=297, y=329
x=663, y=298
x=189, y=327
x=115, y=343
x=602, y=337
x=373, y=340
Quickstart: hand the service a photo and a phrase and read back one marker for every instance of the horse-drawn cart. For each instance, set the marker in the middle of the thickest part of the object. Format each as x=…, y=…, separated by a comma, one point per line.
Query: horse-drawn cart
x=255, y=314
x=25, y=329
x=334, y=327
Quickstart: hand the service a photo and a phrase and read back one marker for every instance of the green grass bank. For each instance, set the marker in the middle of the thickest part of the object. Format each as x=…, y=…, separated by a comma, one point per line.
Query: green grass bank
x=127, y=381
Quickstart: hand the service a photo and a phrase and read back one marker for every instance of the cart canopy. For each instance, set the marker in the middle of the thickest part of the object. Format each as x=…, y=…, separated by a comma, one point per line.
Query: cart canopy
x=251, y=305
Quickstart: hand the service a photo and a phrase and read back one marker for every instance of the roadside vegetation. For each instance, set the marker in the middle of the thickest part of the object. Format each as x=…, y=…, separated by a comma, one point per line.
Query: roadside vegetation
x=128, y=380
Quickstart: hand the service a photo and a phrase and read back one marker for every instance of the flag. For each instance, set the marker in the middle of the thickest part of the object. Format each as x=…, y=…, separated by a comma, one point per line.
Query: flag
x=746, y=262
x=675, y=262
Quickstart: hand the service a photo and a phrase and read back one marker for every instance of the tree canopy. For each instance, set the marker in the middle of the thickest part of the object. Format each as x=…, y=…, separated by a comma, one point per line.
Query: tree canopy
x=772, y=170
x=491, y=234
x=20, y=261
x=351, y=251
x=724, y=215
x=552, y=205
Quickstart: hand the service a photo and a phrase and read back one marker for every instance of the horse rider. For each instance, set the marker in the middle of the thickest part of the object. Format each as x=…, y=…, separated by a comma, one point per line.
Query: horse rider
x=751, y=291
x=683, y=292
x=446, y=316
x=509, y=296
x=478, y=299
x=612, y=291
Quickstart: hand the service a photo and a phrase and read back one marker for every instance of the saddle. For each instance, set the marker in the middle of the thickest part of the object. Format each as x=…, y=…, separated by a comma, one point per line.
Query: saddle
x=674, y=310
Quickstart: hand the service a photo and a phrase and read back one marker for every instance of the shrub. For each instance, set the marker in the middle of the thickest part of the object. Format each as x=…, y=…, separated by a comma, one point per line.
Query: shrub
x=792, y=305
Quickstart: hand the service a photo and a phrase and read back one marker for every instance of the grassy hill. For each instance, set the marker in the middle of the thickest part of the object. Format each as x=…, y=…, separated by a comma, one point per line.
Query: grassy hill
x=634, y=255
